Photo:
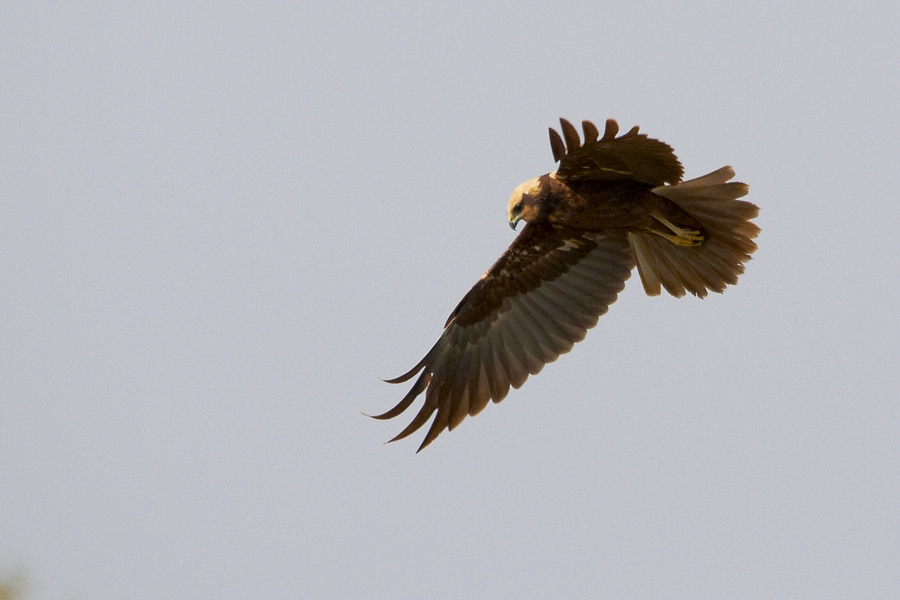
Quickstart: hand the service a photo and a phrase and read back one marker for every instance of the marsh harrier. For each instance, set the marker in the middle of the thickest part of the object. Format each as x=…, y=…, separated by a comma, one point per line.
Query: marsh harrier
x=614, y=203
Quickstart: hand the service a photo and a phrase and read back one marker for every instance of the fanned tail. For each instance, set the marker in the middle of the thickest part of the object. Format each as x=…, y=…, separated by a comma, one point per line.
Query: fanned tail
x=719, y=260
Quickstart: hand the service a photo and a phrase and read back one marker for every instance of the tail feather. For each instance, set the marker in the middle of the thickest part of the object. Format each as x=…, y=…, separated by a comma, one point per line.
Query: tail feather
x=646, y=263
x=719, y=260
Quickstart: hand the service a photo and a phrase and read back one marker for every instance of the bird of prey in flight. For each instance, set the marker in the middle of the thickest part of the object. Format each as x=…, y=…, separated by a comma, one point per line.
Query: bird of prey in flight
x=612, y=204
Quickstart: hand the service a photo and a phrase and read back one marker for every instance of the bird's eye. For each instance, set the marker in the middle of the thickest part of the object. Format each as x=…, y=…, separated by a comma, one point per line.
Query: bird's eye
x=517, y=209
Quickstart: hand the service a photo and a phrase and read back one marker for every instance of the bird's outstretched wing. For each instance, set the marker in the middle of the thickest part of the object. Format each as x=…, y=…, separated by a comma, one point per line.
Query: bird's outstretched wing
x=539, y=299
x=631, y=156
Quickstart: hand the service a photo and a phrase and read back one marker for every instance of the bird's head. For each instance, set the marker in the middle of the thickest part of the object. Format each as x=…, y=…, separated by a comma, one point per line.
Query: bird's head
x=531, y=201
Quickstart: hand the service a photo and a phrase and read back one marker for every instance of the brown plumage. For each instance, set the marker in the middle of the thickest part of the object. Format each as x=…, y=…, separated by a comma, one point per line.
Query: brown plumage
x=613, y=203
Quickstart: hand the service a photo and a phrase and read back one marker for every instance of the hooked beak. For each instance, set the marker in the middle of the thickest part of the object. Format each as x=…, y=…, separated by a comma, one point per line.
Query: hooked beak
x=514, y=222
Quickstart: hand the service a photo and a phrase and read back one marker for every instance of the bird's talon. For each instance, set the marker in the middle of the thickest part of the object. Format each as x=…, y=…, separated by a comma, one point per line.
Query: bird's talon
x=681, y=237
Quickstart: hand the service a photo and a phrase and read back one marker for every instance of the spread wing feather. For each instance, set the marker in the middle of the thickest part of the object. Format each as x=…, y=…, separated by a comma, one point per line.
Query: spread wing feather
x=533, y=304
x=631, y=156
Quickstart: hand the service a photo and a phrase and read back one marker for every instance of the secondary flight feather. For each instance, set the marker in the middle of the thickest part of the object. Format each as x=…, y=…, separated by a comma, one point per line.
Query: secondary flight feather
x=612, y=204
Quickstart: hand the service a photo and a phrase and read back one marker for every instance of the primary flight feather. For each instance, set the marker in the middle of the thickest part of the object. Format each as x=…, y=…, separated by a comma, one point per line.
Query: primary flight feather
x=613, y=203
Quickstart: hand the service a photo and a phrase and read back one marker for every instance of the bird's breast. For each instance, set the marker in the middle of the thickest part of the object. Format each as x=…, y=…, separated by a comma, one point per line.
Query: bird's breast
x=606, y=205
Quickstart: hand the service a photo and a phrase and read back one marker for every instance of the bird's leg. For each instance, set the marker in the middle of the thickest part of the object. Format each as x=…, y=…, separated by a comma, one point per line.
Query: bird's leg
x=681, y=237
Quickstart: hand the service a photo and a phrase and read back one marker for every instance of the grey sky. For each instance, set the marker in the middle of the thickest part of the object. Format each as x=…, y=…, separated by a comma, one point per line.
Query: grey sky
x=220, y=223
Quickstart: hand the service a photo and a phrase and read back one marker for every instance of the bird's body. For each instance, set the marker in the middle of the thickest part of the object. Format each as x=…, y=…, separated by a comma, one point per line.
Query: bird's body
x=597, y=205
x=613, y=203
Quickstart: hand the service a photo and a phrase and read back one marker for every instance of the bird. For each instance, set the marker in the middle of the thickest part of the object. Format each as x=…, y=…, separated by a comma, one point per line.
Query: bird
x=613, y=203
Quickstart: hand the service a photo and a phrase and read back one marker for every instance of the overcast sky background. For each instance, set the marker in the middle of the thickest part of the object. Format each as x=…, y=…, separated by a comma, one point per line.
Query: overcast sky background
x=220, y=223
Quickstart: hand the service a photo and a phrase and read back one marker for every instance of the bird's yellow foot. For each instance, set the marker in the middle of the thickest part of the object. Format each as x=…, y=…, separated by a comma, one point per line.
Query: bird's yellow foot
x=681, y=237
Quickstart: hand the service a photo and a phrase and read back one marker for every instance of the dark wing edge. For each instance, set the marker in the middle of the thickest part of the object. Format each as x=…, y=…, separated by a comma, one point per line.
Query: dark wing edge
x=713, y=200
x=632, y=155
x=534, y=304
